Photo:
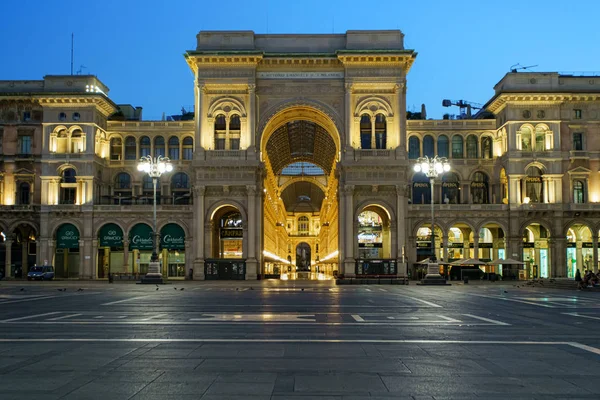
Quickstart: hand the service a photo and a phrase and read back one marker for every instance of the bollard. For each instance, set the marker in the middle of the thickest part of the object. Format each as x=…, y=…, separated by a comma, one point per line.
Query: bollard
x=466, y=279
x=191, y=274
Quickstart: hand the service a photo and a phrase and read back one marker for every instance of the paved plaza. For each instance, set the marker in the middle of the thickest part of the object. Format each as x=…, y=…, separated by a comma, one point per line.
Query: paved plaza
x=276, y=340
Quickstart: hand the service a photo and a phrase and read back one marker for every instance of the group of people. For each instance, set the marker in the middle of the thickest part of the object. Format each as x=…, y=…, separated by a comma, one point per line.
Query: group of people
x=589, y=279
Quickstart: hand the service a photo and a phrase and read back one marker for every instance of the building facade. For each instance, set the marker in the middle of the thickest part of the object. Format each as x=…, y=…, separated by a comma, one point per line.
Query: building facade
x=297, y=163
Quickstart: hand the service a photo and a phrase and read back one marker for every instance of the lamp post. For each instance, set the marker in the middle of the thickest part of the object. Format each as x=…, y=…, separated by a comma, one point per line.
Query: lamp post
x=154, y=167
x=432, y=168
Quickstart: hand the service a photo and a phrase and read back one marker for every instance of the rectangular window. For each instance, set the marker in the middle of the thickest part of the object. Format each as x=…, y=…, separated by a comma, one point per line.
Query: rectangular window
x=577, y=141
x=25, y=144
x=577, y=113
x=365, y=140
x=26, y=116
x=188, y=153
x=174, y=153
x=219, y=144
x=234, y=144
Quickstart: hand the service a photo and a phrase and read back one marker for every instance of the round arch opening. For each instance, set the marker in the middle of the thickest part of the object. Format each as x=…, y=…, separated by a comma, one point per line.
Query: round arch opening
x=579, y=251
x=536, y=253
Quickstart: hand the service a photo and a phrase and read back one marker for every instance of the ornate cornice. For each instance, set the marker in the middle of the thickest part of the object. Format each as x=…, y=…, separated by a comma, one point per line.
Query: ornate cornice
x=497, y=104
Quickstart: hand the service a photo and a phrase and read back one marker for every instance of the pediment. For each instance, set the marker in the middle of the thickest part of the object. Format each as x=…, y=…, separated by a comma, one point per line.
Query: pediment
x=580, y=171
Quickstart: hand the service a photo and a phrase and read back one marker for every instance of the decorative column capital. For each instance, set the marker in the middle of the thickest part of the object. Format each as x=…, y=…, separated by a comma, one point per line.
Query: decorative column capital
x=251, y=190
x=199, y=190
x=349, y=189
x=251, y=87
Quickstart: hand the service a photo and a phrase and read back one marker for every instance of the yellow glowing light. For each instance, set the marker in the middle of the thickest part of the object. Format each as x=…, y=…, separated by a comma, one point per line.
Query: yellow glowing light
x=594, y=198
x=526, y=200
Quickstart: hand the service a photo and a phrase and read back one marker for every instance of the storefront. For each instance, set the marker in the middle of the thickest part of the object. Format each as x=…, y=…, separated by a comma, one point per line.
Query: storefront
x=140, y=244
x=66, y=259
x=370, y=235
x=172, y=245
x=111, y=257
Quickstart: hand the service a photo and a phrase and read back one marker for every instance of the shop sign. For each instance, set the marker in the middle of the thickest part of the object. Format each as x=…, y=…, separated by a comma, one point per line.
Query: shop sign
x=231, y=233
x=140, y=237
x=423, y=245
x=528, y=245
x=482, y=245
x=456, y=245
x=111, y=235
x=172, y=237
x=374, y=245
x=67, y=237
x=587, y=245
x=571, y=245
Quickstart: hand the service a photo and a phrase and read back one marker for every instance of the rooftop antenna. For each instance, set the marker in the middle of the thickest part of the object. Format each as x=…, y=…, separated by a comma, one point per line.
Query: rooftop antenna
x=72, y=41
x=518, y=67
x=81, y=67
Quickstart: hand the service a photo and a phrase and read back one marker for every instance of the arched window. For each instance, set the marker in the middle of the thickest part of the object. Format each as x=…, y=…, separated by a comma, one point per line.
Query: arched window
x=526, y=138
x=188, y=148
x=148, y=191
x=428, y=146
x=68, y=188
x=443, y=148
x=69, y=176
x=540, y=138
x=533, y=186
x=123, y=181
x=24, y=192
x=130, y=148
x=472, y=146
x=144, y=146
x=486, y=147
x=450, y=188
x=77, y=141
x=180, y=188
x=380, y=131
x=578, y=192
x=504, y=186
x=174, y=148
x=414, y=150
x=479, y=188
x=457, y=146
x=365, y=131
x=122, y=192
x=220, y=132
x=234, y=132
x=116, y=149
x=159, y=146
x=421, y=190
x=303, y=225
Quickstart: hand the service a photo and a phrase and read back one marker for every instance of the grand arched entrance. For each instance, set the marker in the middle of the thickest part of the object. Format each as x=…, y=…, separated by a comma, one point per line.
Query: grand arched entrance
x=300, y=148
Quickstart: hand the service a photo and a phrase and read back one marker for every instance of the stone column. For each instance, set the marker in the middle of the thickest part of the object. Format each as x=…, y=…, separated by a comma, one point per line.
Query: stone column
x=24, y=256
x=251, y=123
x=199, y=116
x=445, y=245
x=558, y=257
x=8, y=257
x=348, y=118
x=373, y=142
x=51, y=251
x=126, y=255
x=253, y=232
x=82, y=269
x=595, y=253
x=199, y=237
x=401, y=223
x=401, y=116
x=475, y=246
x=348, y=218
x=94, y=260
x=189, y=262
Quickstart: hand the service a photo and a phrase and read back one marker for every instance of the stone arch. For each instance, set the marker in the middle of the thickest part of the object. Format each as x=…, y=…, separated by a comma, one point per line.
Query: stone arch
x=224, y=203
x=372, y=106
x=577, y=221
x=427, y=221
x=456, y=221
x=103, y=223
x=300, y=109
x=536, y=164
x=117, y=135
x=228, y=106
x=61, y=168
x=530, y=221
x=130, y=225
x=16, y=224
x=74, y=222
x=386, y=207
x=476, y=170
x=485, y=222
x=179, y=222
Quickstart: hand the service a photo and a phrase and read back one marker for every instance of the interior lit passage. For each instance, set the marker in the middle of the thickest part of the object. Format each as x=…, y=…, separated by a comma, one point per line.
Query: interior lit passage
x=227, y=255
x=536, y=254
x=490, y=246
x=580, y=250
x=374, y=242
x=300, y=202
x=18, y=249
x=112, y=257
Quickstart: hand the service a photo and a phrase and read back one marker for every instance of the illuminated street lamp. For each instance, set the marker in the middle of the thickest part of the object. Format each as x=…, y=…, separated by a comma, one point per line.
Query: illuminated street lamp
x=432, y=168
x=154, y=167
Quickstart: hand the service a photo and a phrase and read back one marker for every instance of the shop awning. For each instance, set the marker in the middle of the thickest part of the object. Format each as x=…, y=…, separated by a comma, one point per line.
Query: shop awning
x=172, y=237
x=111, y=235
x=67, y=237
x=140, y=237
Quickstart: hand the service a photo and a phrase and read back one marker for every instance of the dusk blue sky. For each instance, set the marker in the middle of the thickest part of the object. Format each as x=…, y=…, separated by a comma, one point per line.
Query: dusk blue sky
x=136, y=47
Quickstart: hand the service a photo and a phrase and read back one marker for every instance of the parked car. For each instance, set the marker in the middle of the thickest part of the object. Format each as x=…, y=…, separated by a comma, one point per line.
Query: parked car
x=45, y=272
